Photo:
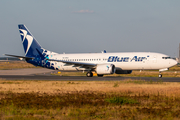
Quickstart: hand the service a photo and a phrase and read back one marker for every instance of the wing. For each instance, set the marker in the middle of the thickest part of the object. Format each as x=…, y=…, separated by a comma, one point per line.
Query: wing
x=76, y=64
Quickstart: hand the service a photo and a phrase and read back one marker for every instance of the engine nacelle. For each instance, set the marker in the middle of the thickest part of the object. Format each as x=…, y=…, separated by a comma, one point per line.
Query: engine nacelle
x=105, y=69
x=123, y=71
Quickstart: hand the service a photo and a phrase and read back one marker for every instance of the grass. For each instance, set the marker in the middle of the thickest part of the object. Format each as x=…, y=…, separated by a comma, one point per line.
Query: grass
x=68, y=86
x=79, y=100
x=88, y=105
x=128, y=99
x=121, y=100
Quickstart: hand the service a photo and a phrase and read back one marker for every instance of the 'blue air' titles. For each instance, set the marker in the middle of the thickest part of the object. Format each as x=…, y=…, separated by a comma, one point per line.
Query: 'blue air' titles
x=125, y=59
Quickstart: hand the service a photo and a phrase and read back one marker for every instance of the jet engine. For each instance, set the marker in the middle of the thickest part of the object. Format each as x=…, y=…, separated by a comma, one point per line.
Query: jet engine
x=105, y=69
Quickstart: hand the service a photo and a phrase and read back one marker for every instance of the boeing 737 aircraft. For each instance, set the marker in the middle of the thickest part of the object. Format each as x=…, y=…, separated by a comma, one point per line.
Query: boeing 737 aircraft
x=101, y=63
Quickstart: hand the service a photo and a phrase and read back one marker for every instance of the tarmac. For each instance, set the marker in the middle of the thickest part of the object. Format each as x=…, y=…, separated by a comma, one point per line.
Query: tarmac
x=27, y=71
x=45, y=74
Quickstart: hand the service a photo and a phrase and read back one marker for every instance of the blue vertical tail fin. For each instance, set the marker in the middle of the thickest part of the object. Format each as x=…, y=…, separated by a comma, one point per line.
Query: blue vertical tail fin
x=31, y=47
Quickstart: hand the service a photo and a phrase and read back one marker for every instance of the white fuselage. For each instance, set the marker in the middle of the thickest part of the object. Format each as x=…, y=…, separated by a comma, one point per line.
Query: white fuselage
x=122, y=61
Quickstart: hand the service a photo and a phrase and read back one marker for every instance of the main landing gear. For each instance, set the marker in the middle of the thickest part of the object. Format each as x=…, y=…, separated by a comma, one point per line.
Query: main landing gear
x=89, y=74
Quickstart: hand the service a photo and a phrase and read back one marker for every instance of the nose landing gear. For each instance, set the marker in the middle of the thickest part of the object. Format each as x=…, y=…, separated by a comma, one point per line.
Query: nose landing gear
x=160, y=75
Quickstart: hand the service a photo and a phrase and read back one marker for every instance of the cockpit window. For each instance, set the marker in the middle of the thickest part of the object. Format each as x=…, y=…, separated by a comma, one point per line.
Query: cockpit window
x=166, y=58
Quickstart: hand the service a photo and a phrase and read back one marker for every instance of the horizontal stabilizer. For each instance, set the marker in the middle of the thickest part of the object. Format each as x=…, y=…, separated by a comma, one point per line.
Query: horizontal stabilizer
x=19, y=56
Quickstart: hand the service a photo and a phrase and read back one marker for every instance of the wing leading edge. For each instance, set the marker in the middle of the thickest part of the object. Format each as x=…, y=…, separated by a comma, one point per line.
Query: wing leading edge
x=76, y=64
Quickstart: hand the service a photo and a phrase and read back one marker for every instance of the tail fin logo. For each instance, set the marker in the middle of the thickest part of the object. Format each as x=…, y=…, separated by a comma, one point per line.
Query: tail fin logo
x=26, y=40
x=24, y=34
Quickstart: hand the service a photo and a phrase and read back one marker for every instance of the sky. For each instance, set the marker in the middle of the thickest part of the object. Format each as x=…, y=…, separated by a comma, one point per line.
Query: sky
x=91, y=26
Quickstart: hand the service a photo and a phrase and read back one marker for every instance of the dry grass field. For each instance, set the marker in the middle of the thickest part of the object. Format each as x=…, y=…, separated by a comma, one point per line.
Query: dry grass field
x=79, y=100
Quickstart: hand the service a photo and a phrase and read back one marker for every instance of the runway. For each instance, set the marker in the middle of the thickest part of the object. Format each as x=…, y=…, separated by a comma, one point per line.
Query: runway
x=83, y=78
x=45, y=74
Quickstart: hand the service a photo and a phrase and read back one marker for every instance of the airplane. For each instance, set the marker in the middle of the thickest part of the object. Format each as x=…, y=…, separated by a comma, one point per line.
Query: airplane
x=100, y=63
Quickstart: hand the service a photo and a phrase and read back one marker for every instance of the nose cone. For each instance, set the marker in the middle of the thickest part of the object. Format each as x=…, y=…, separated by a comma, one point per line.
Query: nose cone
x=173, y=62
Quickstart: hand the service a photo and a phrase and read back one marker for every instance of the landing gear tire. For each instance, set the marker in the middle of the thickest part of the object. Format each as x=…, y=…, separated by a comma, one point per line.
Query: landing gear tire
x=160, y=75
x=89, y=74
x=100, y=75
